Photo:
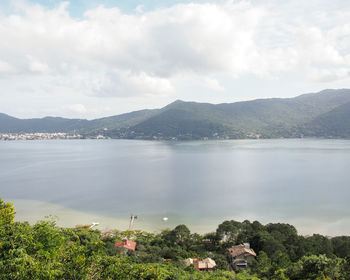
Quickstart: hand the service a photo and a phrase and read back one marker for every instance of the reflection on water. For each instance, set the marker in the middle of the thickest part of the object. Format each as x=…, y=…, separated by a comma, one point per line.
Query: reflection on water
x=201, y=183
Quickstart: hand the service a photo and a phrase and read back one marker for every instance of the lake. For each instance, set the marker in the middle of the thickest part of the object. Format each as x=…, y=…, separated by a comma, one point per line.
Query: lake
x=304, y=182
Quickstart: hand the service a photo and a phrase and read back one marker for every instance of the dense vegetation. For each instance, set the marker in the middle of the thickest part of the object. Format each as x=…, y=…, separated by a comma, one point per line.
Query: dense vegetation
x=323, y=114
x=46, y=251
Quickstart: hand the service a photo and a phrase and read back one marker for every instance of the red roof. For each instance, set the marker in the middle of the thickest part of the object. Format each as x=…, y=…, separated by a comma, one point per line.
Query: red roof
x=127, y=244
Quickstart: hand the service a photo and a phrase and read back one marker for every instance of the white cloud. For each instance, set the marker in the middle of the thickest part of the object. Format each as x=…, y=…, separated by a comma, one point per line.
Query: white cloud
x=5, y=67
x=35, y=65
x=110, y=53
x=117, y=83
x=213, y=84
x=77, y=108
x=139, y=9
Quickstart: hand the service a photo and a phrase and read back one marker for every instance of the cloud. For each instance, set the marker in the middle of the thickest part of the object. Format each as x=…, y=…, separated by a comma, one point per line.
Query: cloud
x=109, y=53
x=213, y=84
x=139, y=9
x=77, y=108
x=115, y=82
x=5, y=67
x=35, y=65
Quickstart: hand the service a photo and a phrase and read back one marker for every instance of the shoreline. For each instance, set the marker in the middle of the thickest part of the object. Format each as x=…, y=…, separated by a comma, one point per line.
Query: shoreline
x=33, y=211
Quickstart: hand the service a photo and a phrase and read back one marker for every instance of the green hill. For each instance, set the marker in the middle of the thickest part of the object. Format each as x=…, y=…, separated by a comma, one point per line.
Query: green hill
x=335, y=123
x=322, y=114
x=267, y=118
x=10, y=124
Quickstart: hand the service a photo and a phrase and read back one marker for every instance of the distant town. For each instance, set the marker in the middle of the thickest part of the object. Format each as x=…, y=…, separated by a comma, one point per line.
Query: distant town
x=45, y=136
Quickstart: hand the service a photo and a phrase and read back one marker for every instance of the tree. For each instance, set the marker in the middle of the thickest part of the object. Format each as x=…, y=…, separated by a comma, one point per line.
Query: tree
x=263, y=265
x=341, y=246
x=320, y=267
x=319, y=244
x=280, y=275
x=181, y=234
x=264, y=241
x=7, y=213
x=228, y=232
x=281, y=260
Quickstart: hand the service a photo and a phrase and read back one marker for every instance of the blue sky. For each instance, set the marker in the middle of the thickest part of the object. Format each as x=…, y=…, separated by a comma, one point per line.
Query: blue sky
x=77, y=7
x=88, y=59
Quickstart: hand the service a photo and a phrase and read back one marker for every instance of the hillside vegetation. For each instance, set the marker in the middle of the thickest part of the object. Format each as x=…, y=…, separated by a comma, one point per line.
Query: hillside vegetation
x=323, y=114
x=46, y=251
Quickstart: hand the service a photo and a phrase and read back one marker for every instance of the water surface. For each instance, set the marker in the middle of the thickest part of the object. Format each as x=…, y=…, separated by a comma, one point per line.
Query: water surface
x=304, y=182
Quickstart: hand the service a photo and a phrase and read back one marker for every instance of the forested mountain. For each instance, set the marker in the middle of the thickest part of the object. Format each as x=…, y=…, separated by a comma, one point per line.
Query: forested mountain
x=10, y=124
x=323, y=114
x=335, y=123
x=121, y=121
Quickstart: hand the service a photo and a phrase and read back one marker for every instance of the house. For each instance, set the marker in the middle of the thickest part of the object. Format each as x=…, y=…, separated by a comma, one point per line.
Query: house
x=241, y=255
x=126, y=245
x=201, y=265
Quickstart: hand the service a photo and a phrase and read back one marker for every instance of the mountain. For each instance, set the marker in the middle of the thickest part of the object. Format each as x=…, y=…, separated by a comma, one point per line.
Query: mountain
x=322, y=114
x=335, y=123
x=10, y=124
x=121, y=121
x=266, y=118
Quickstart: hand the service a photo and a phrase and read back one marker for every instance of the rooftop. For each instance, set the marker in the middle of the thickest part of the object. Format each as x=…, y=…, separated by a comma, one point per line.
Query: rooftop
x=127, y=244
x=242, y=249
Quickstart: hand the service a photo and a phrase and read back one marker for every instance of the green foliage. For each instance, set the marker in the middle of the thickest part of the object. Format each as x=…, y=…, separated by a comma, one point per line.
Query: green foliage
x=341, y=246
x=180, y=234
x=320, y=267
x=318, y=244
x=124, y=268
x=228, y=232
x=245, y=276
x=7, y=213
x=263, y=265
x=280, y=274
x=46, y=251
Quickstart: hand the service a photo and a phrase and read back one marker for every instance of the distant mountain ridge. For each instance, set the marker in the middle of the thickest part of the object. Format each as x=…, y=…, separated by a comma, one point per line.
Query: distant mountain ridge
x=322, y=114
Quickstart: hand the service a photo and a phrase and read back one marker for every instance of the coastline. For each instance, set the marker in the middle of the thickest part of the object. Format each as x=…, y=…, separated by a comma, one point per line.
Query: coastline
x=33, y=211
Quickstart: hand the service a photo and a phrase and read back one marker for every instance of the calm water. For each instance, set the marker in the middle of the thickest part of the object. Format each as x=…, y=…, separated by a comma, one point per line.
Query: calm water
x=302, y=182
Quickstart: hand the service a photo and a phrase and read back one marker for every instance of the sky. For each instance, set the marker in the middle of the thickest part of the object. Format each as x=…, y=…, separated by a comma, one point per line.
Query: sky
x=91, y=59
